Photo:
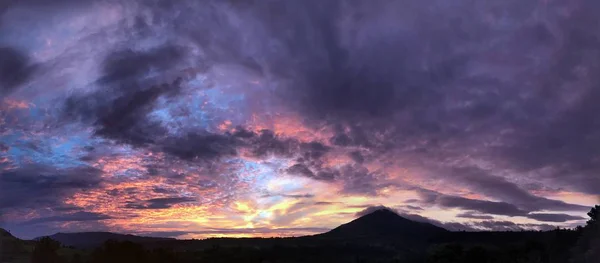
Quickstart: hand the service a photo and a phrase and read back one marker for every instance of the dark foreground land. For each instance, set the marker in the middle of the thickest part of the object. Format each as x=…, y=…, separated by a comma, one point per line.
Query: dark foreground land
x=381, y=236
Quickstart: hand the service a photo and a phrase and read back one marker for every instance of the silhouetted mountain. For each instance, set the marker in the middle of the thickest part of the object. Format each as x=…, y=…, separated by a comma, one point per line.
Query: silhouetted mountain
x=386, y=224
x=13, y=249
x=94, y=239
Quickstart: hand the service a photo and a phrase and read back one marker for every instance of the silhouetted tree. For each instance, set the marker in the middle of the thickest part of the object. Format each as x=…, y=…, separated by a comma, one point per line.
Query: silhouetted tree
x=120, y=252
x=162, y=255
x=477, y=254
x=594, y=215
x=587, y=249
x=449, y=253
x=76, y=259
x=45, y=251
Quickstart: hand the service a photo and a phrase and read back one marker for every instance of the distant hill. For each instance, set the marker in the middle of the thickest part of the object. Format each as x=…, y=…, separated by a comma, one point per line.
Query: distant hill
x=385, y=224
x=94, y=239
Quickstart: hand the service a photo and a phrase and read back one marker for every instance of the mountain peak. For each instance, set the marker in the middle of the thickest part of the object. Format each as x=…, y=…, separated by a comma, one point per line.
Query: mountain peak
x=383, y=211
x=384, y=223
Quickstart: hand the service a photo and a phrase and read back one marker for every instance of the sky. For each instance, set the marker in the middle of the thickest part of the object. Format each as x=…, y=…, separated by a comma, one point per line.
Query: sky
x=196, y=119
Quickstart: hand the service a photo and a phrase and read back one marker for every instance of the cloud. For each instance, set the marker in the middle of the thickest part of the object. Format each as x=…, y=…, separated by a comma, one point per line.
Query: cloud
x=357, y=179
x=15, y=69
x=161, y=190
x=129, y=66
x=300, y=169
x=203, y=145
x=487, y=98
x=487, y=208
x=498, y=187
x=412, y=207
x=482, y=206
x=39, y=186
x=122, y=114
x=545, y=217
x=357, y=157
x=372, y=209
x=325, y=203
x=474, y=216
x=159, y=203
x=295, y=196
x=80, y=216
x=498, y=225
x=452, y=226
x=484, y=225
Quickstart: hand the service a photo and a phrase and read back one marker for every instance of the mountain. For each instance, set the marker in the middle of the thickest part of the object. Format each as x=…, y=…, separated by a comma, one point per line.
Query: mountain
x=13, y=249
x=385, y=224
x=94, y=239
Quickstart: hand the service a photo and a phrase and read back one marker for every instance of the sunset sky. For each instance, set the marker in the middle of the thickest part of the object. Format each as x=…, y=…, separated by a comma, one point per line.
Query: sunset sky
x=195, y=119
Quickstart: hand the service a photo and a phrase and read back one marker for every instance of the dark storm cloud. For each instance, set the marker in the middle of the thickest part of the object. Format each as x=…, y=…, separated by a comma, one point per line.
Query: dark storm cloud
x=357, y=179
x=357, y=157
x=161, y=190
x=300, y=169
x=482, y=206
x=354, y=178
x=487, y=207
x=487, y=225
x=452, y=226
x=15, y=69
x=43, y=186
x=123, y=66
x=202, y=145
x=340, y=77
x=75, y=217
x=120, y=109
x=500, y=188
x=569, y=140
x=447, y=82
x=159, y=203
x=553, y=217
x=122, y=113
x=261, y=144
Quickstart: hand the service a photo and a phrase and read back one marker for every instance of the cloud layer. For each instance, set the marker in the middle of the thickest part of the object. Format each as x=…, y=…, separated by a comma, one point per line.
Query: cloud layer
x=159, y=116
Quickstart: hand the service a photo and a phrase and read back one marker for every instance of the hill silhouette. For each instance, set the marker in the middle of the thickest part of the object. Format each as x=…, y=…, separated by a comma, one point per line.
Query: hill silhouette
x=384, y=223
x=13, y=249
x=95, y=239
